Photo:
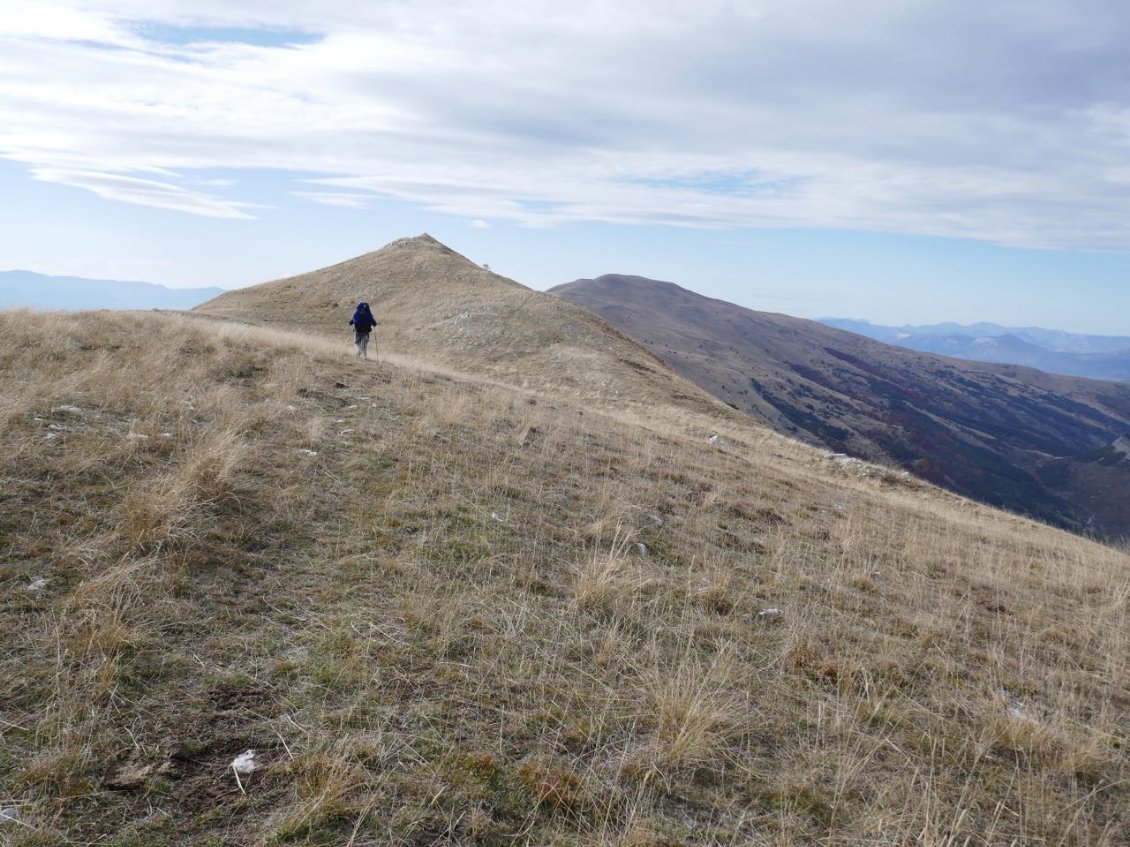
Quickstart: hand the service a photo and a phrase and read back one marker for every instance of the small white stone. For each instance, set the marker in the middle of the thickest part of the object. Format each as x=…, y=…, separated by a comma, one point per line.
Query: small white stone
x=307, y=452
x=495, y=516
x=641, y=549
x=245, y=762
x=9, y=816
x=655, y=519
x=37, y=584
x=769, y=613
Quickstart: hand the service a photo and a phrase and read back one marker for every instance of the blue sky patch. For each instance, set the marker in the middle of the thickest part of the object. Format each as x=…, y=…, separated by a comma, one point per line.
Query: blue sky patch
x=186, y=35
x=744, y=184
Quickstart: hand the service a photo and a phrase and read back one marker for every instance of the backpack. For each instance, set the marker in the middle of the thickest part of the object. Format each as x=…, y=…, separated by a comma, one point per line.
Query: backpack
x=363, y=318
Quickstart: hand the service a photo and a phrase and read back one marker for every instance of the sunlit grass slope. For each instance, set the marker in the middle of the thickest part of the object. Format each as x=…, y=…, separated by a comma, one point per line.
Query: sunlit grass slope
x=434, y=303
x=442, y=611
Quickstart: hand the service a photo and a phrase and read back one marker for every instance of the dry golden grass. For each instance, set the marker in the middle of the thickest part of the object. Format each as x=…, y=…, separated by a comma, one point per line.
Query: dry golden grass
x=433, y=303
x=422, y=598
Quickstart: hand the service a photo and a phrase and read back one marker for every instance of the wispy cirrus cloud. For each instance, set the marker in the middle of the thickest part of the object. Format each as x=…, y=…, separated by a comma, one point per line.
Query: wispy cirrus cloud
x=1007, y=122
x=145, y=192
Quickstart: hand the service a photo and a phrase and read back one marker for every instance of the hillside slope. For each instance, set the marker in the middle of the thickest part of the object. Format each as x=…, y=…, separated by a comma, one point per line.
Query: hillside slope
x=433, y=303
x=446, y=611
x=985, y=431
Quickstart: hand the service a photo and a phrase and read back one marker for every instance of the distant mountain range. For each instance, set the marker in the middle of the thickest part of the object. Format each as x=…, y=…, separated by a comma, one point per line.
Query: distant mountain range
x=1039, y=444
x=1073, y=354
x=72, y=293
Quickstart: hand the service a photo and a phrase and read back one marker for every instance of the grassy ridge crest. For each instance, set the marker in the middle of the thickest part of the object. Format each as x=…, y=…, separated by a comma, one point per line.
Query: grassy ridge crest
x=444, y=610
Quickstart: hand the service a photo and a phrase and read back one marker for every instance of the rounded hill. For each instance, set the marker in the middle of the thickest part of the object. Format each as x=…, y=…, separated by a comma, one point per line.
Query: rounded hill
x=434, y=304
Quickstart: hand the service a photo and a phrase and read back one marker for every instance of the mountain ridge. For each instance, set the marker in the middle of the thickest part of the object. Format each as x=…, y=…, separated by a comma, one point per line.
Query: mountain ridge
x=982, y=430
x=27, y=289
x=1060, y=341
x=1054, y=351
x=433, y=302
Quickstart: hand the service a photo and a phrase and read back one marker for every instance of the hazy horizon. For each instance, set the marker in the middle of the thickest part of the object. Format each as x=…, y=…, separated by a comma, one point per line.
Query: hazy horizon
x=4, y=282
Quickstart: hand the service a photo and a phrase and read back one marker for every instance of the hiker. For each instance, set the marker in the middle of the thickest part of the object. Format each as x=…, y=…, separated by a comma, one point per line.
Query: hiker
x=362, y=323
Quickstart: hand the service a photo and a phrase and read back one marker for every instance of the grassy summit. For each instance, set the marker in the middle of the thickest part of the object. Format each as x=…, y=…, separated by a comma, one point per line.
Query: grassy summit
x=445, y=610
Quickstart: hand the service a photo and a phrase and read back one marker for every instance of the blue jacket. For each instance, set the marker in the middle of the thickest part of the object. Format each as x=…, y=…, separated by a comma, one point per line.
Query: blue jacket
x=363, y=318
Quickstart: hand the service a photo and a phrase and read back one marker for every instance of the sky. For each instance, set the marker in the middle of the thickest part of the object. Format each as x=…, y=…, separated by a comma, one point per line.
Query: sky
x=902, y=161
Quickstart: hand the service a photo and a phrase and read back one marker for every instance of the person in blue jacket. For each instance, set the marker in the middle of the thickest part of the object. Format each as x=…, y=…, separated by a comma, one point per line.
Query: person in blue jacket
x=362, y=323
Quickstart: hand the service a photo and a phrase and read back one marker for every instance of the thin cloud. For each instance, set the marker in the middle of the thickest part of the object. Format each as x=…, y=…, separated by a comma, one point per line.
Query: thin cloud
x=56, y=21
x=1007, y=122
x=145, y=192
